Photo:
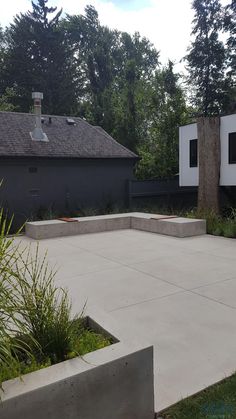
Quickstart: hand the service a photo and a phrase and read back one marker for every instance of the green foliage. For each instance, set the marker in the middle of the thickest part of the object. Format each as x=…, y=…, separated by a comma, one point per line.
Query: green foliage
x=114, y=66
x=88, y=341
x=207, y=58
x=84, y=341
x=19, y=367
x=6, y=99
x=10, y=323
x=167, y=111
x=216, y=224
x=230, y=26
x=44, y=308
x=38, y=57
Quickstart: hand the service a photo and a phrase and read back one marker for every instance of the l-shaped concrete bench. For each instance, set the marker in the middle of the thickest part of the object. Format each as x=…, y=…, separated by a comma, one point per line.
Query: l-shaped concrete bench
x=154, y=223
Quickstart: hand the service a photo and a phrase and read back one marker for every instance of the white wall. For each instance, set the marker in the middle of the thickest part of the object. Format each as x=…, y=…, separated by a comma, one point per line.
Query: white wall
x=227, y=171
x=188, y=176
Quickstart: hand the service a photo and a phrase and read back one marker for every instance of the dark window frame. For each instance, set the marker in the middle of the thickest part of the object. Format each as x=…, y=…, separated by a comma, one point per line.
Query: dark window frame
x=193, y=153
x=231, y=152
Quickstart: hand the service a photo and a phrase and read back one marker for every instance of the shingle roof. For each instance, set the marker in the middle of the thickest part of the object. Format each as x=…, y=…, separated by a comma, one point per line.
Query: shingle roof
x=73, y=141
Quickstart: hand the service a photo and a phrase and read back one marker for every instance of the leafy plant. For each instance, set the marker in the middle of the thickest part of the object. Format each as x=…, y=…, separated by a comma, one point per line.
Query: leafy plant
x=89, y=341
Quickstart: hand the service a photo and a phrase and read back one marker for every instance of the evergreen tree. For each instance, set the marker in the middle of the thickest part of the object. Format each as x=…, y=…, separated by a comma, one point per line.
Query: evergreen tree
x=93, y=46
x=230, y=26
x=39, y=59
x=206, y=58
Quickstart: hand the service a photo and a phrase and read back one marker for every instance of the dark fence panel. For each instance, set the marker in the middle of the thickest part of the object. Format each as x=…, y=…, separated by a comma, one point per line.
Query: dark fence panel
x=161, y=192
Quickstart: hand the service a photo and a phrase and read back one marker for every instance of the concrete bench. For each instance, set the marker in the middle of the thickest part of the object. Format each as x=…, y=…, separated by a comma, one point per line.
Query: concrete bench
x=154, y=223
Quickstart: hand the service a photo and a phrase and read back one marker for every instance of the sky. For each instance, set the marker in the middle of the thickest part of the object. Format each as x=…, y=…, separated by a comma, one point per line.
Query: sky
x=166, y=23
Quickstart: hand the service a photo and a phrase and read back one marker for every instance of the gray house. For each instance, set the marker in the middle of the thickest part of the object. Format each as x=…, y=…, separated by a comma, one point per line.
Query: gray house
x=63, y=165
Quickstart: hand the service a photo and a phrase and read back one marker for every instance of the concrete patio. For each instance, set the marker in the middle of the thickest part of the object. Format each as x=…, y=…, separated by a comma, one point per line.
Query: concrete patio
x=177, y=294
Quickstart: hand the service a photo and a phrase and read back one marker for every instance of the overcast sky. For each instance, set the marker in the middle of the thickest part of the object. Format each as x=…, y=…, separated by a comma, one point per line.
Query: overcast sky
x=167, y=23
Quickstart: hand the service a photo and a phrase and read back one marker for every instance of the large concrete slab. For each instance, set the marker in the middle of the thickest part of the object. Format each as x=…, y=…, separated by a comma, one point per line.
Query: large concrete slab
x=177, y=294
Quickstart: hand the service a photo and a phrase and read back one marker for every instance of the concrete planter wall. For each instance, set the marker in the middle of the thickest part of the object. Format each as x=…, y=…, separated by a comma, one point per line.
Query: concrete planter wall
x=154, y=223
x=115, y=382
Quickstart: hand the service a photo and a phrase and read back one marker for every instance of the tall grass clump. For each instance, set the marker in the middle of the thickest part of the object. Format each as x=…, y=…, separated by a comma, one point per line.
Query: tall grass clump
x=44, y=308
x=217, y=225
x=36, y=324
x=36, y=328
x=10, y=323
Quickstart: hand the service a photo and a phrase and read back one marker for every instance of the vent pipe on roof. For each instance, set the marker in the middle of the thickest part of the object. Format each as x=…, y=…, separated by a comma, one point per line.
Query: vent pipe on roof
x=37, y=134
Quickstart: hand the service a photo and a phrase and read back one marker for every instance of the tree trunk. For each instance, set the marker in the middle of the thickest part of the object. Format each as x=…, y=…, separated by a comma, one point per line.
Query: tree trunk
x=209, y=163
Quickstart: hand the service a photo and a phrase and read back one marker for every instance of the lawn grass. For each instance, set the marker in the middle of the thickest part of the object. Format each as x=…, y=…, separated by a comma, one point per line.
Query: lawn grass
x=215, y=402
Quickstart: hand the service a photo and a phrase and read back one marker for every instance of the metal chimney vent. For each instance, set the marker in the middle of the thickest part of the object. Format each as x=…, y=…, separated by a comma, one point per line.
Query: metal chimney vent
x=37, y=134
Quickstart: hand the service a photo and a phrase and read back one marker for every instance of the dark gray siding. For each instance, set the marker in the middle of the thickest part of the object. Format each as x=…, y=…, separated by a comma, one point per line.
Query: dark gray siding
x=63, y=185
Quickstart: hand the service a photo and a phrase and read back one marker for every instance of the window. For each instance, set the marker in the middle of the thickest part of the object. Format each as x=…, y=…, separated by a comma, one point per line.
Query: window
x=193, y=158
x=232, y=147
x=33, y=169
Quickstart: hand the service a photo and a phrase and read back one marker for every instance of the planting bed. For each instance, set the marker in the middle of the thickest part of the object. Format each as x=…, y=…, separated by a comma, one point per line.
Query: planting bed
x=114, y=382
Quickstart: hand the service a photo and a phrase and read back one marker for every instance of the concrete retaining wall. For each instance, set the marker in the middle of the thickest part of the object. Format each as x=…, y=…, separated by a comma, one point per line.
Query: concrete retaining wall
x=177, y=227
x=115, y=382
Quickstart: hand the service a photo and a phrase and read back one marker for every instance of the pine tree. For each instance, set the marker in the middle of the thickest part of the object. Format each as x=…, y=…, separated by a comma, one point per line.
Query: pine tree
x=39, y=59
x=206, y=58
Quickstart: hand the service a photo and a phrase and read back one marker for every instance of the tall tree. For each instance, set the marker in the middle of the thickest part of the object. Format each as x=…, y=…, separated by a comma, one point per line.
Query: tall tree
x=2, y=60
x=40, y=58
x=167, y=111
x=206, y=58
x=230, y=26
x=93, y=46
x=114, y=65
x=136, y=62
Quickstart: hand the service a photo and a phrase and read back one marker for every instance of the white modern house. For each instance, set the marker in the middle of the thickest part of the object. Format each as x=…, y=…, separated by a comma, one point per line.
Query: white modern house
x=188, y=153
